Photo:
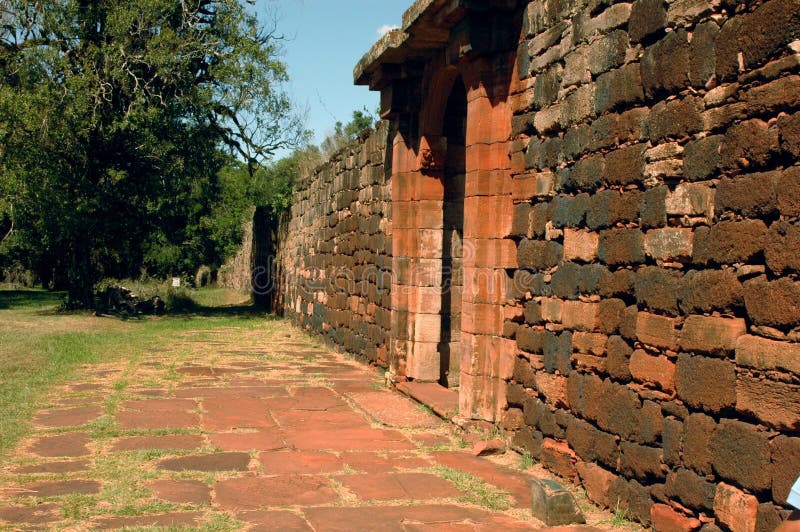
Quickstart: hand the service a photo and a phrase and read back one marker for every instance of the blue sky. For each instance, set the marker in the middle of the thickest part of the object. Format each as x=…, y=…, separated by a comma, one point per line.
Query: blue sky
x=327, y=38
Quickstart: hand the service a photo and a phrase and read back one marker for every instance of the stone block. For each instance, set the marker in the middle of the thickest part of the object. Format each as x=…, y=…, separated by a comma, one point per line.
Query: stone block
x=580, y=245
x=641, y=462
x=789, y=191
x=749, y=144
x=597, y=482
x=653, y=370
x=785, y=465
x=607, y=52
x=709, y=290
x=729, y=242
x=619, y=353
x=706, y=383
x=648, y=17
x=539, y=254
x=621, y=246
x=773, y=304
x=668, y=520
x=702, y=52
x=654, y=212
x=708, y=334
x=665, y=65
x=625, y=165
x=698, y=432
x=691, y=489
x=618, y=88
x=701, y=158
x=585, y=175
x=691, y=199
x=657, y=289
x=577, y=106
x=783, y=240
x=581, y=316
x=766, y=355
x=789, y=127
x=772, y=402
x=741, y=454
x=756, y=36
x=735, y=509
x=553, y=504
x=657, y=331
x=559, y=458
x=669, y=244
x=675, y=118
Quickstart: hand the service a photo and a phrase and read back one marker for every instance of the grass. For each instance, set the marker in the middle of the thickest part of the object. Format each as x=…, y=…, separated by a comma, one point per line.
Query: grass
x=475, y=490
x=620, y=518
x=41, y=347
x=526, y=461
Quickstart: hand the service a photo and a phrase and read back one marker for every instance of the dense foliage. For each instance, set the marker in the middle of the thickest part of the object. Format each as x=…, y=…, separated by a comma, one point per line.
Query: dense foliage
x=112, y=119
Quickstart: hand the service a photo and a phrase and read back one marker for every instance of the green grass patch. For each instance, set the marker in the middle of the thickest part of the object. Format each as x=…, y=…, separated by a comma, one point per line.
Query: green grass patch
x=475, y=490
x=41, y=348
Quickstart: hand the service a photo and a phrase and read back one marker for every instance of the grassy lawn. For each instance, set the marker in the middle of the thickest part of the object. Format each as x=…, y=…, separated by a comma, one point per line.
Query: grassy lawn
x=41, y=347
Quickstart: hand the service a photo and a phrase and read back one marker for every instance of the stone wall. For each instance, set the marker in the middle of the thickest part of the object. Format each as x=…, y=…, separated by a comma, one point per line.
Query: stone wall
x=657, y=195
x=237, y=272
x=335, y=259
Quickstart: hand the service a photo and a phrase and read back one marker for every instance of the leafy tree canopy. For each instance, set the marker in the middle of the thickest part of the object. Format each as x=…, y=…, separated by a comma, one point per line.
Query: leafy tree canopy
x=112, y=116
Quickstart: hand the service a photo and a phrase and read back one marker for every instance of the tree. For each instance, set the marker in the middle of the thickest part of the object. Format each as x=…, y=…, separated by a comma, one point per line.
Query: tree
x=343, y=134
x=112, y=116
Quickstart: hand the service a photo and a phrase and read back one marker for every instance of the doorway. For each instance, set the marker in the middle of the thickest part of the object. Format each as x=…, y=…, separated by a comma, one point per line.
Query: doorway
x=455, y=131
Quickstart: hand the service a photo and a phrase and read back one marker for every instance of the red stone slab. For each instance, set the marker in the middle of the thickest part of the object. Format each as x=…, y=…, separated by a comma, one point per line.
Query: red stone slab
x=341, y=417
x=159, y=405
x=441, y=400
x=238, y=413
x=301, y=462
x=399, y=486
x=182, y=491
x=268, y=520
x=32, y=515
x=391, y=518
x=394, y=410
x=205, y=371
x=69, y=444
x=250, y=493
x=178, y=442
x=85, y=387
x=54, y=467
x=174, y=419
x=267, y=440
x=506, y=479
x=174, y=519
x=316, y=398
x=59, y=487
x=368, y=462
x=79, y=401
x=67, y=417
x=207, y=462
x=359, y=439
x=235, y=392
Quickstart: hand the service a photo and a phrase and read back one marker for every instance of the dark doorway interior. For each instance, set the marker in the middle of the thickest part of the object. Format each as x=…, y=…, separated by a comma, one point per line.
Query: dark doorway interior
x=455, y=130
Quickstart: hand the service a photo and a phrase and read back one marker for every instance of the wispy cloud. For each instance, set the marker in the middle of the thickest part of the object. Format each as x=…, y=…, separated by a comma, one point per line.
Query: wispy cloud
x=386, y=28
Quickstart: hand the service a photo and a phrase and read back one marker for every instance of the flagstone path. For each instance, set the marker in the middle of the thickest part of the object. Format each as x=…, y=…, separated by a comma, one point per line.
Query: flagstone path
x=257, y=429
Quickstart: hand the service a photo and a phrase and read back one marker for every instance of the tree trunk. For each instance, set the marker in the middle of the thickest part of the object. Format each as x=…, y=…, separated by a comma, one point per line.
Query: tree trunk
x=80, y=277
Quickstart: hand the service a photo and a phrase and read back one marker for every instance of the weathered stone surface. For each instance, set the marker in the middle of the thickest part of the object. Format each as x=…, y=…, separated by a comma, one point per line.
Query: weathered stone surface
x=735, y=509
x=553, y=504
x=773, y=304
x=647, y=18
x=665, y=65
x=741, y=454
x=706, y=383
x=774, y=403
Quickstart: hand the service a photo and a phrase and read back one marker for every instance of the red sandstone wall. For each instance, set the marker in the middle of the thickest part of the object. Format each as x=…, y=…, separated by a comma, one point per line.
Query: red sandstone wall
x=336, y=255
x=657, y=195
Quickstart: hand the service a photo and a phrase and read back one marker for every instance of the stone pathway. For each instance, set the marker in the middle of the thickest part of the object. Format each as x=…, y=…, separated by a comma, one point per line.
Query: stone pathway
x=256, y=429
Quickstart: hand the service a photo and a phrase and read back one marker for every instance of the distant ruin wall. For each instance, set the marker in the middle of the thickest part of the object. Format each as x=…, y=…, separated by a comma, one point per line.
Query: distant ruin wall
x=335, y=259
x=657, y=195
